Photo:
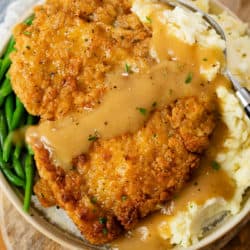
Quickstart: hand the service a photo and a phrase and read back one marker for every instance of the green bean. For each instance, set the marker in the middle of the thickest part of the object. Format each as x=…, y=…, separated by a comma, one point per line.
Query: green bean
x=6, y=88
x=9, y=109
x=18, y=113
x=6, y=59
x=18, y=168
x=5, y=65
x=30, y=119
x=3, y=129
x=17, y=151
x=29, y=20
x=11, y=177
x=10, y=46
x=2, y=101
x=7, y=147
x=29, y=174
x=30, y=150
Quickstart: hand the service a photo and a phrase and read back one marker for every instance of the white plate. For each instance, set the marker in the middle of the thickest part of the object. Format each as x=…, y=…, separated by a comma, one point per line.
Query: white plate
x=72, y=242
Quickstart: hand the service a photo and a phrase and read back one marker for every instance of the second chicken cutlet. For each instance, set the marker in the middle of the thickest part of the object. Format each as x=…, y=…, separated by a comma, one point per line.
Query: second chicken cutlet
x=121, y=180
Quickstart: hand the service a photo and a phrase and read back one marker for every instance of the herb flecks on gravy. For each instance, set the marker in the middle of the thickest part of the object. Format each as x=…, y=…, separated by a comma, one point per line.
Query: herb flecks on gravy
x=161, y=82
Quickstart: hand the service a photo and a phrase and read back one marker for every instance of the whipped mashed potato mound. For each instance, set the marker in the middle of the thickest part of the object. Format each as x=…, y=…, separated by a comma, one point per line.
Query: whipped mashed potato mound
x=238, y=39
x=185, y=25
x=188, y=226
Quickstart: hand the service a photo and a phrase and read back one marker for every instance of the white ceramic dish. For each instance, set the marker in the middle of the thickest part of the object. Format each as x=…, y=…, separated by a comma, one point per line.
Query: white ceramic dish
x=72, y=242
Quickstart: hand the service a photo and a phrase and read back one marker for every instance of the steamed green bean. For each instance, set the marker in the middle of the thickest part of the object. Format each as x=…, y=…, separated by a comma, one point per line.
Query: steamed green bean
x=9, y=109
x=6, y=88
x=10, y=46
x=11, y=177
x=15, y=180
x=18, y=168
x=7, y=147
x=18, y=113
x=17, y=151
x=3, y=129
x=29, y=20
x=6, y=59
x=29, y=174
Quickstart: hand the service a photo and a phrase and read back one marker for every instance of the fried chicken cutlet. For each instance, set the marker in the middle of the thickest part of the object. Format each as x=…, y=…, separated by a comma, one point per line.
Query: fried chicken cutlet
x=121, y=180
x=62, y=58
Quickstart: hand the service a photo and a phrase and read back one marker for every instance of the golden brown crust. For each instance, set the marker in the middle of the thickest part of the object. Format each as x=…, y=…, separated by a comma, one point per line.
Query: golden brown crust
x=44, y=193
x=124, y=179
x=62, y=58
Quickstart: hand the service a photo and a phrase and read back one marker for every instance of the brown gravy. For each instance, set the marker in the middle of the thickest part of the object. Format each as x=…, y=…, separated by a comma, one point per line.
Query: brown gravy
x=120, y=110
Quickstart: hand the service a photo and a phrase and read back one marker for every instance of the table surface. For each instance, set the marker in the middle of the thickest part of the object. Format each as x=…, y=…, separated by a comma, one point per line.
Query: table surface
x=15, y=234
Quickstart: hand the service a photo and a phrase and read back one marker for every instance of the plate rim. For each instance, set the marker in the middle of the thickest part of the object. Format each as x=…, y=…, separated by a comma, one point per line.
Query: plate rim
x=65, y=239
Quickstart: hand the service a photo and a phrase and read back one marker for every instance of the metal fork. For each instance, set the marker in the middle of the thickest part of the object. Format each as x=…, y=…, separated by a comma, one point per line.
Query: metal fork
x=242, y=93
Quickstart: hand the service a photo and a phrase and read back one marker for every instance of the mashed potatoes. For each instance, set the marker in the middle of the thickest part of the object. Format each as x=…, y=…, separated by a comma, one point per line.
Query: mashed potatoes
x=176, y=22
x=187, y=227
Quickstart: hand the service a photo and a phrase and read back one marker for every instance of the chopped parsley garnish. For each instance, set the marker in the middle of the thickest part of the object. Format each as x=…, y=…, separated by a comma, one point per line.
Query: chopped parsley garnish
x=93, y=137
x=148, y=19
x=102, y=220
x=93, y=200
x=215, y=165
x=189, y=78
x=175, y=197
x=105, y=231
x=29, y=21
x=191, y=205
x=154, y=104
x=143, y=111
x=127, y=68
x=124, y=197
x=27, y=33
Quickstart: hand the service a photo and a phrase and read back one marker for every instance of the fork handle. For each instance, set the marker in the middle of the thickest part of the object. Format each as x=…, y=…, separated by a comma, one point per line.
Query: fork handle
x=247, y=109
x=244, y=96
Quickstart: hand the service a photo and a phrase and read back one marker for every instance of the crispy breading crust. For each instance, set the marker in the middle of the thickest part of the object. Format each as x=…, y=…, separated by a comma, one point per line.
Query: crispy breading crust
x=123, y=179
x=44, y=193
x=62, y=58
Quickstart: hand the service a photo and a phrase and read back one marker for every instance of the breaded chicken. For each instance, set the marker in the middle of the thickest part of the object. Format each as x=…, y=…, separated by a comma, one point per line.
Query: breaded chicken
x=123, y=179
x=44, y=193
x=62, y=58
